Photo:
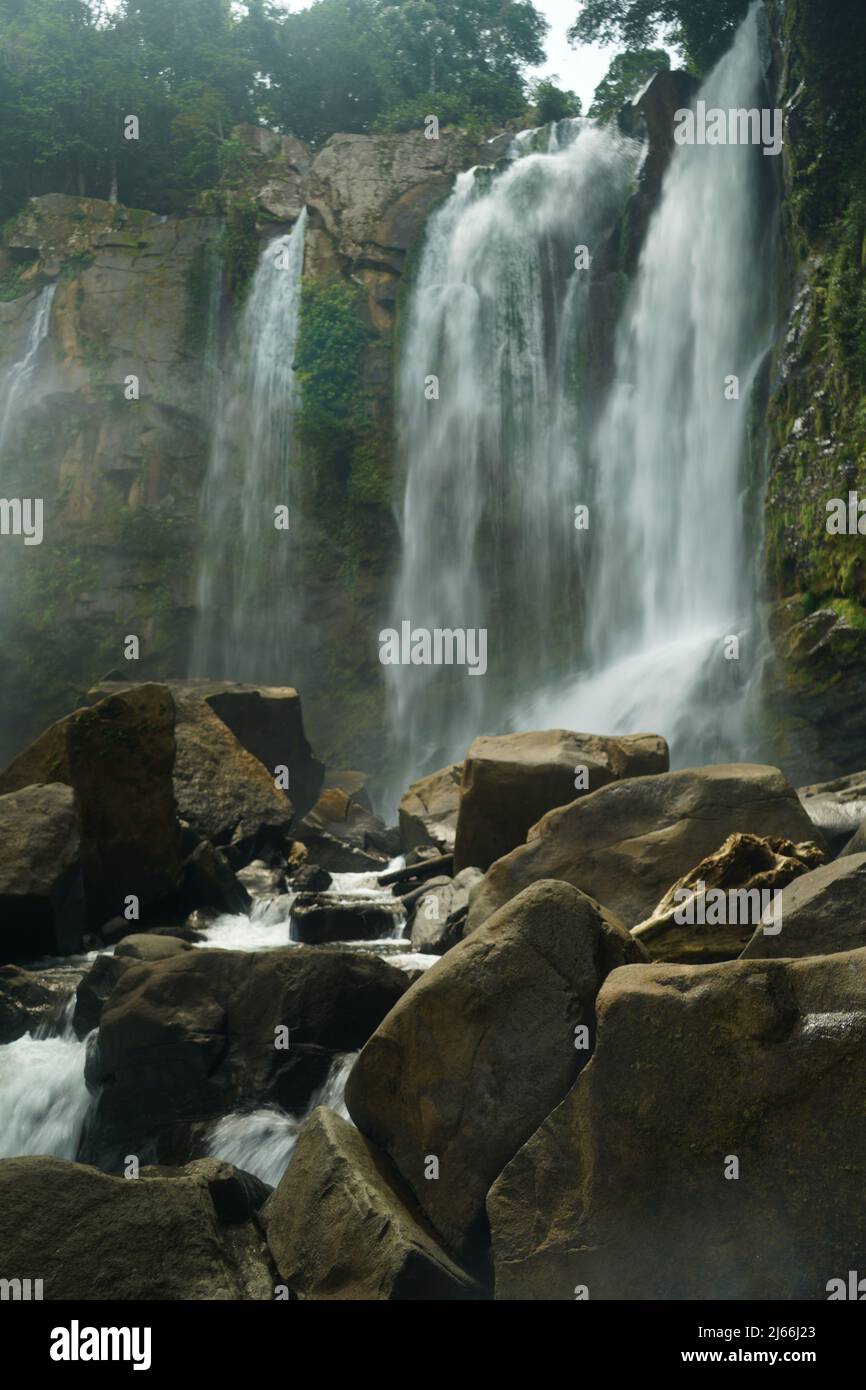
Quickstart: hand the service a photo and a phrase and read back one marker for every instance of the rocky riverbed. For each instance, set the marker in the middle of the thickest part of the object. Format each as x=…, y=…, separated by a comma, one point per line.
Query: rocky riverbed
x=257, y=1044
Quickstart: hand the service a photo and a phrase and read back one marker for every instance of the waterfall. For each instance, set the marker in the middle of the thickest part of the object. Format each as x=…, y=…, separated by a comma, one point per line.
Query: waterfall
x=261, y=1141
x=673, y=572
x=44, y=1100
x=245, y=569
x=16, y=381
x=493, y=454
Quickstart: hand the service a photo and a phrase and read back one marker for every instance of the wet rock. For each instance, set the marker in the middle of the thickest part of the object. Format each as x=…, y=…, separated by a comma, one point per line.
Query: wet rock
x=470, y=1061
x=440, y=911
x=88, y=1235
x=29, y=1000
x=41, y=895
x=343, y=837
x=627, y=843
x=311, y=879
x=187, y=1039
x=820, y=914
x=341, y=1224
x=428, y=810
x=210, y=882
x=510, y=782
x=150, y=947
x=320, y=919
x=261, y=882
x=713, y=1148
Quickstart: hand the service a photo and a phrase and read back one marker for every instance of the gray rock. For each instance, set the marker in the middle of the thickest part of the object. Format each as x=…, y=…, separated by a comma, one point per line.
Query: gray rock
x=821, y=914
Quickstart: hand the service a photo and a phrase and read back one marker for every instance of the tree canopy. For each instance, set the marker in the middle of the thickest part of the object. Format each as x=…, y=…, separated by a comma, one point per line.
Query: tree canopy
x=702, y=29
x=624, y=78
x=71, y=71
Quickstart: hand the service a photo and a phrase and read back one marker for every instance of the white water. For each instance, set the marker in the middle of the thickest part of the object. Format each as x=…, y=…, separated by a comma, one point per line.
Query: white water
x=245, y=568
x=17, y=379
x=493, y=467
x=673, y=573
x=44, y=1102
x=261, y=1141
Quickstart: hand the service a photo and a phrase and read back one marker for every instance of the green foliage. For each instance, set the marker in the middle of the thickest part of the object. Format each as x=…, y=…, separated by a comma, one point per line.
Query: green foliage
x=332, y=338
x=11, y=284
x=702, y=29
x=552, y=103
x=627, y=74
x=239, y=250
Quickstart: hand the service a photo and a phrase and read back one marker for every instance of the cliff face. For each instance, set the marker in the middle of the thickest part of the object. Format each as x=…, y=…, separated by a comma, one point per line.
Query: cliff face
x=120, y=462
x=816, y=419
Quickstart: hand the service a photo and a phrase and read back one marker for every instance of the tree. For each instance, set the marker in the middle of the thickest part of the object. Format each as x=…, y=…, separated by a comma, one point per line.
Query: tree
x=552, y=103
x=624, y=78
x=702, y=29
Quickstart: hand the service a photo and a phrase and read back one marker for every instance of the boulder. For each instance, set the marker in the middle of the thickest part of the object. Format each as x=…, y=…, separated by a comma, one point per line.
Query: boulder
x=821, y=914
x=836, y=808
x=714, y=1147
x=189, y=1038
x=95, y=989
x=341, y=1225
x=627, y=843
x=320, y=918
x=210, y=882
x=118, y=758
x=146, y=947
x=440, y=912
x=88, y=1235
x=29, y=1000
x=225, y=793
x=265, y=719
x=343, y=837
x=41, y=897
x=730, y=893
x=510, y=782
x=354, y=784
x=311, y=879
x=482, y=1047
x=857, y=843
x=260, y=881
x=428, y=810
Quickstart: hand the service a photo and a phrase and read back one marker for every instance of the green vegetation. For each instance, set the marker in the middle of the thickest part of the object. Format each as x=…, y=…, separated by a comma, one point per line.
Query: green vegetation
x=74, y=71
x=624, y=78
x=700, y=29
x=552, y=103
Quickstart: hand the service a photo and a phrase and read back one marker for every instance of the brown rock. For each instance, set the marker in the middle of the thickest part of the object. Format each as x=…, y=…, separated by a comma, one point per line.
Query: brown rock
x=482, y=1047
x=428, y=810
x=627, y=843
x=511, y=781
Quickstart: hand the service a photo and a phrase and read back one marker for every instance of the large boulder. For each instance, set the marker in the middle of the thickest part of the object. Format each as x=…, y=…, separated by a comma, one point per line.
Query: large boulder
x=429, y=809
x=118, y=756
x=509, y=782
x=267, y=720
x=322, y=917
x=121, y=755
x=820, y=914
x=627, y=843
x=87, y=1235
x=224, y=793
x=710, y=913
x=473, y=1058
x=41, y=899
x=714, y=1148
x=186, y=1039
x=341, y=1225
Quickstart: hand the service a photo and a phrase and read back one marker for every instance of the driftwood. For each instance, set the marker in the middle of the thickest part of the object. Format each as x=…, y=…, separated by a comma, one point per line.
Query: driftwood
x=427, y=868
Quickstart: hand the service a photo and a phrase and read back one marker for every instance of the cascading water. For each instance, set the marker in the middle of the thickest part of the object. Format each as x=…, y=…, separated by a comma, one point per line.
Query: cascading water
x=17, y=380
x=44, y=1100
x=499, y=316
x=673, y=538
x=246, y=567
